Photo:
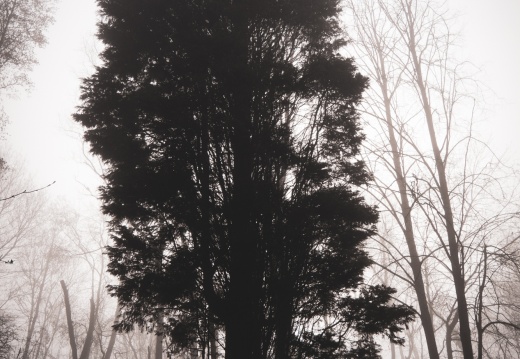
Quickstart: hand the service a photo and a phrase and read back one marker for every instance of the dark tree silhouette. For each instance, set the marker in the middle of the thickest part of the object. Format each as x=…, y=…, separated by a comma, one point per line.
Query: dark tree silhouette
x=230, y=136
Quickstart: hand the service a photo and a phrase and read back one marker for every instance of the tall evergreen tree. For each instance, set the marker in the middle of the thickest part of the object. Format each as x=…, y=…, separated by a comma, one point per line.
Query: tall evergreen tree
x=230, y=133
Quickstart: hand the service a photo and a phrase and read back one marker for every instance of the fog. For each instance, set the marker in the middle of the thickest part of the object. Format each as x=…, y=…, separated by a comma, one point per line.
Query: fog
x=52, y=229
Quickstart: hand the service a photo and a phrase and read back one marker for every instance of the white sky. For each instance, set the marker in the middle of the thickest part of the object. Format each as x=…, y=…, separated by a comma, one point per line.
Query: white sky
x=41, y=119
x=491, y=33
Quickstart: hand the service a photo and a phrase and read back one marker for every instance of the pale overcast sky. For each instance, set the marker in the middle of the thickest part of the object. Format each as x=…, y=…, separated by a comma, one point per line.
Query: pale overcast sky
x=41, y=121
x=491, y=31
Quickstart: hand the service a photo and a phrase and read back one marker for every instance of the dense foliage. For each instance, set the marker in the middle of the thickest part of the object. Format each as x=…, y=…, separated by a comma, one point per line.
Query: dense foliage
x=230, y=134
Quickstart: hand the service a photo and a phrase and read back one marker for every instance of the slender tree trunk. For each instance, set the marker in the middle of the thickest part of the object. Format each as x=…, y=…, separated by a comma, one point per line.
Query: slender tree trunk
x=132, y=348
x=112, y=340
x=159, y=335
x=35, y=309
x=379, y=51
x=480, y=331
x=158, y=346
x=159, y=338
x=401, y=353
x=449, y=333
x=213, y=340
x=85, y=352
x=415, y=262
x=386, y=282
x=70, y=326
x=49, y=343
x=456, y=269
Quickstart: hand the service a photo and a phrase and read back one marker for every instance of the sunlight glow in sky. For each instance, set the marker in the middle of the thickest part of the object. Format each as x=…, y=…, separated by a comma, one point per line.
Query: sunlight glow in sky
x=42, y=132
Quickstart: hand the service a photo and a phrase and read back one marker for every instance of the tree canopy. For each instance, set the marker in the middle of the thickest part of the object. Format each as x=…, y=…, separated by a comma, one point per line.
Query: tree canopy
x=22, y=26
x=230, y=133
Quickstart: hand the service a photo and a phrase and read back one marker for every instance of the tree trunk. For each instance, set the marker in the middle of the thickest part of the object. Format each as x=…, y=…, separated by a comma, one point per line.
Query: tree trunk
x=35, y=309
x=158, y=346
x=449, y=333
x=72, y=337
x=112, y=340
x=456, y=269
x=213, y=340
x=480, y=331
x=415, y=262
x=242, y=322
x=159, y=338
x=85, y=352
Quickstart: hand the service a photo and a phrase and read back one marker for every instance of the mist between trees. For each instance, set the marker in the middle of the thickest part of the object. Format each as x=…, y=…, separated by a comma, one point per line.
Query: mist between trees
x=449, y=205
x=266, y=196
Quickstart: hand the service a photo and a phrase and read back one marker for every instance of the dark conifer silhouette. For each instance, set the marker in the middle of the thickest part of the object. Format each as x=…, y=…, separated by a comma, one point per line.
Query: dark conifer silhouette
x=230, y=134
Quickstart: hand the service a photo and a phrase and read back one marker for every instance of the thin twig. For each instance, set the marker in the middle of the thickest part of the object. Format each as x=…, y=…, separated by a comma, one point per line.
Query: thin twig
x=26, y=192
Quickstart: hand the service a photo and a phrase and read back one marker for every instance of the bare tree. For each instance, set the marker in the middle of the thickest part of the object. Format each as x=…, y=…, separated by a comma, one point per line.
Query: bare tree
x=18, y=217
x=496, y=307
x=378, y=39
x=29, y=258
x=38, y=297
x=440, y=185
x=87, y=345
x=22, y=25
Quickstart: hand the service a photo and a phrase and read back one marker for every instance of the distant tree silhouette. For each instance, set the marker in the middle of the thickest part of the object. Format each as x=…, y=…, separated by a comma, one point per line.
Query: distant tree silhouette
x=22, y=26
x=7, y=336
x=230, y=135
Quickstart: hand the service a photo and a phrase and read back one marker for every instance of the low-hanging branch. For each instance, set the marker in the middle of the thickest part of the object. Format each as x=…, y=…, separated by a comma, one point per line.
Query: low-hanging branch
x=26, y=192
